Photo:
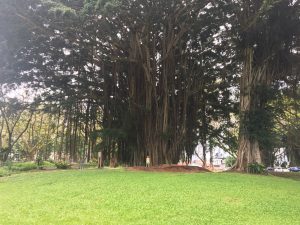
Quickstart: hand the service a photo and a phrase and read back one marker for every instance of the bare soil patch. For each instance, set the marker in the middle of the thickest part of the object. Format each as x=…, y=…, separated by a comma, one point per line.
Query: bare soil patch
x=170, y=168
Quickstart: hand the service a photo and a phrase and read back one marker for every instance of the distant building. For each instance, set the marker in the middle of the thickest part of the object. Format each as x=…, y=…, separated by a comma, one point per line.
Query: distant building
x=219, y=156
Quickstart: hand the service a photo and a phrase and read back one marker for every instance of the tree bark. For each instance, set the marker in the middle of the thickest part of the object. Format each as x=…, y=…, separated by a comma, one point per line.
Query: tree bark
x=249, y=150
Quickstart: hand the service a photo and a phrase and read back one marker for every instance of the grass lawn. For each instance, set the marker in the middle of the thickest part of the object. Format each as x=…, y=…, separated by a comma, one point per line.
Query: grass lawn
x=121, y=197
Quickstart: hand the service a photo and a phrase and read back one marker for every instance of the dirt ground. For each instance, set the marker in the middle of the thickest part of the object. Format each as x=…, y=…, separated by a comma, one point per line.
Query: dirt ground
x=169, y=168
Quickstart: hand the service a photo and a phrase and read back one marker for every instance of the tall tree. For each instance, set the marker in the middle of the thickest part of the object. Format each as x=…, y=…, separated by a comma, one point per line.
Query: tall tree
x=12, y=110
x=269, y=31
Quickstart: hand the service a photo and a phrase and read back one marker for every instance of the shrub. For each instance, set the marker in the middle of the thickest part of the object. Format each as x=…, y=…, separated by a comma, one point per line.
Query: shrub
x=50, y=161
x=48, y=164
x=24, y=166
x=284, y=164
x=92, y=163
x=230, y=161
x=8, y=164
x=256, y=168
x=39, y=162
x=62, y=165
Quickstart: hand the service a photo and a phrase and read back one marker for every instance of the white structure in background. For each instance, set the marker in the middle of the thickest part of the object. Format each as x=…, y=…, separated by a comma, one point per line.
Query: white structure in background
x=219, y=156
x=280, y=157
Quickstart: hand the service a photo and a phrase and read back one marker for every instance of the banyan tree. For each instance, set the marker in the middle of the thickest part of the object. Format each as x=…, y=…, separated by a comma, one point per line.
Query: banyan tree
x=154, y=72
x=269, y=32
x=155, y=75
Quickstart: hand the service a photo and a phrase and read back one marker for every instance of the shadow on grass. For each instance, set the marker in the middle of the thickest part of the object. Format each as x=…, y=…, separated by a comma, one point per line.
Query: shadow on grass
x=289, y=175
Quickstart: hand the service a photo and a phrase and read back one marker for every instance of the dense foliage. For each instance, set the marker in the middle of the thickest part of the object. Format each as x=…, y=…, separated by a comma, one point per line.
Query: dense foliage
x=137, y=78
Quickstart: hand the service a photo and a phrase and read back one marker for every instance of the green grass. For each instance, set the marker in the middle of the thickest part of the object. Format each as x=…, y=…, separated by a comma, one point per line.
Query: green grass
x=4, y=172
x=119, y=197
x=290, y=175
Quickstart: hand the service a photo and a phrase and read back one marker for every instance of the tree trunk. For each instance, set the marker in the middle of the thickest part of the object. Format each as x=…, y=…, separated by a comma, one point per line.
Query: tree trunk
x=249, y=150
x=211, y=158
x=55, y=149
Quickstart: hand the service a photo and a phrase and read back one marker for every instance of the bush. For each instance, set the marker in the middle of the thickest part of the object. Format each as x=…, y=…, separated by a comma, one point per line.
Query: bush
x=48, y=164
x=8, y=164
x=92, y=163
x=24, y=166
x=39, y=162
x=256, y=168
x=51, y=161
x=284, y=164
x=230, y=161
x=62, y=165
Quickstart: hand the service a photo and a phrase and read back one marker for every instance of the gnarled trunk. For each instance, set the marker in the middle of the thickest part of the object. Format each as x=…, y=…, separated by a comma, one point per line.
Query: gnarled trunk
x=250, y=101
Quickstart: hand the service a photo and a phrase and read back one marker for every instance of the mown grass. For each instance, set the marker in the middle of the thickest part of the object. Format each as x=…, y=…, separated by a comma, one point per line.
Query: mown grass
x=4, y=172
x=289, y=175
x=120, y=197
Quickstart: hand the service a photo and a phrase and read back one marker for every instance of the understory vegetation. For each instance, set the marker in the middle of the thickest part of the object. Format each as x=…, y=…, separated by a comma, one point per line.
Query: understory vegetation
x=10, y=168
